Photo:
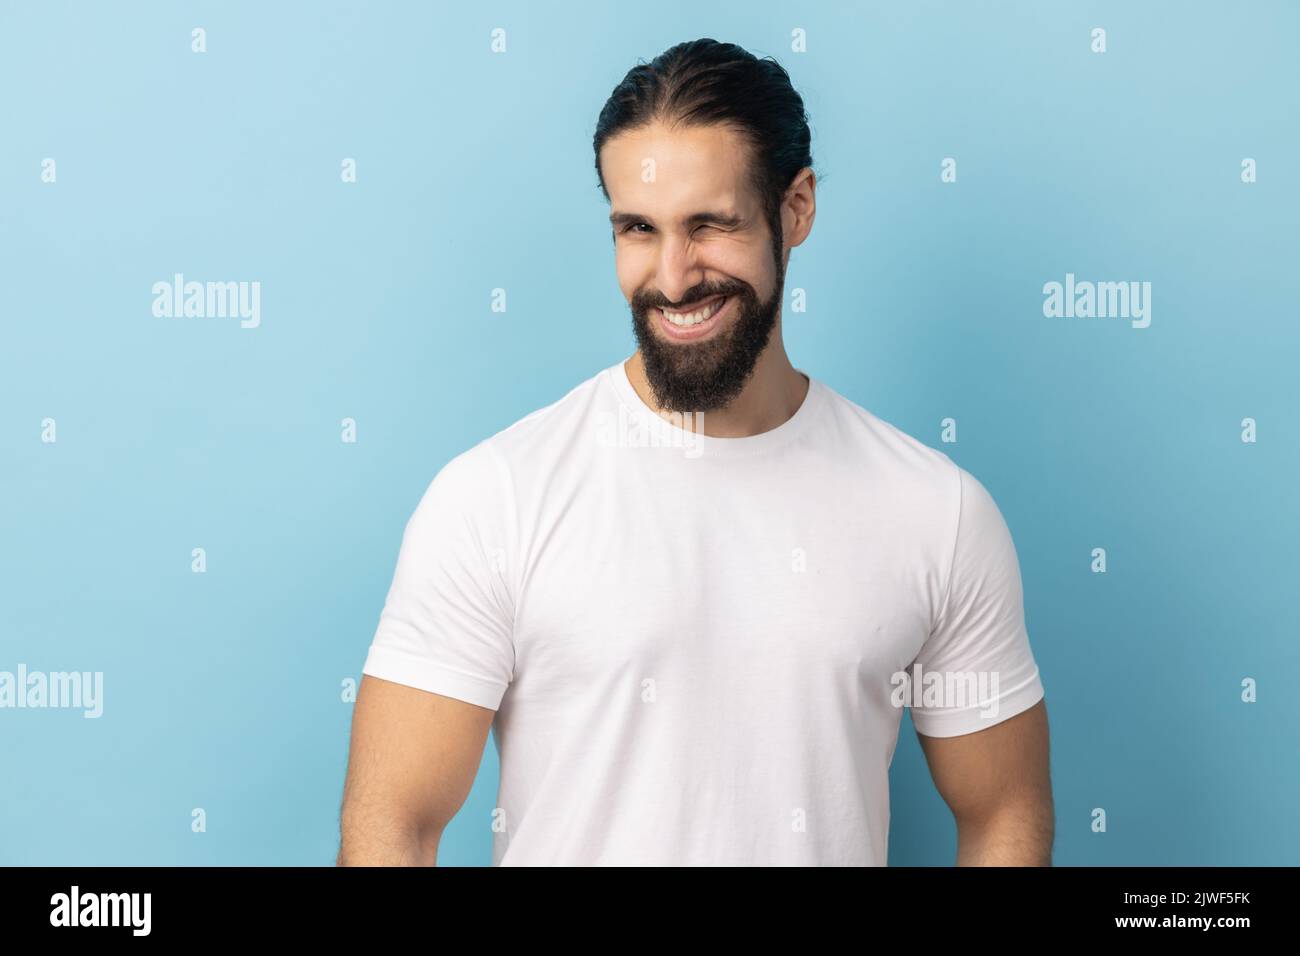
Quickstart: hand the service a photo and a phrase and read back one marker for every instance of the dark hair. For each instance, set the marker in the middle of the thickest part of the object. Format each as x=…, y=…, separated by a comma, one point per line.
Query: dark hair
x=703, y=82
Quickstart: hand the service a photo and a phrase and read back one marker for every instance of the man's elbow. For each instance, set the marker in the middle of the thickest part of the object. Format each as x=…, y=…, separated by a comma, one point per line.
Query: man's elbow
x=1016, y=833
x=386, y=839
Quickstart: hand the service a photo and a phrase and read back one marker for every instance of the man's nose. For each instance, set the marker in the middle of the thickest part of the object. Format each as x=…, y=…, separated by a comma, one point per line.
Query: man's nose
x=680, y=269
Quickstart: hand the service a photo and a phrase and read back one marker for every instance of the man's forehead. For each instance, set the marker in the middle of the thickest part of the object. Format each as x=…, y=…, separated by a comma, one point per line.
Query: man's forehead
x=710, y=196
x=680, y=166
x=677, y=176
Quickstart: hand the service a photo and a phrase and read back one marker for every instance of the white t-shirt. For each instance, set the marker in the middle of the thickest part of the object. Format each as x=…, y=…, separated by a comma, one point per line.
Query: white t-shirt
x=692, y=643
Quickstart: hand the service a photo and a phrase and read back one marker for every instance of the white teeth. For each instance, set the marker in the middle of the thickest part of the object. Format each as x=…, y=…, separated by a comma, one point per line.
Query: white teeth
x=694, y=318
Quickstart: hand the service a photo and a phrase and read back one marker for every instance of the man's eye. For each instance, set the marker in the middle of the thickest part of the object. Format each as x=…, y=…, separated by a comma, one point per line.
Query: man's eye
x=634, y=225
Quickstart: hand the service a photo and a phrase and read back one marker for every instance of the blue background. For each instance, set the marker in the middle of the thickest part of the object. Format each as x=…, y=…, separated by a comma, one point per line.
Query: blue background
x=223, y=689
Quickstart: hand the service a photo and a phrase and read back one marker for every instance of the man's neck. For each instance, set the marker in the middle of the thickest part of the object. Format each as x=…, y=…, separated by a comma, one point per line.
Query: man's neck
x=772, y=395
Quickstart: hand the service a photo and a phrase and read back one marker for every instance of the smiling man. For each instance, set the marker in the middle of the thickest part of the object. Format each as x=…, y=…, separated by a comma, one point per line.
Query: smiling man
x=694, y=659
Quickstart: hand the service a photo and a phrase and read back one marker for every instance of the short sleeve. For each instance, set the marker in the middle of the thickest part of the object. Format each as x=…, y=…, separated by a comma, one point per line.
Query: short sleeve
x=447, y=622
x=976, y=669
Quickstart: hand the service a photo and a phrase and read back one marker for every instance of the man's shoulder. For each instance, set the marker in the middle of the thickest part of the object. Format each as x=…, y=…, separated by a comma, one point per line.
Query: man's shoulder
x=561, y=415
x=925, y=477
x=539, y=436
x=918, y=481
x=885, y=447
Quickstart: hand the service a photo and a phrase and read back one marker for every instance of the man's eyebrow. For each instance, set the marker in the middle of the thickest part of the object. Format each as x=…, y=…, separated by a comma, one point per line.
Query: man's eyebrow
x=695, y=219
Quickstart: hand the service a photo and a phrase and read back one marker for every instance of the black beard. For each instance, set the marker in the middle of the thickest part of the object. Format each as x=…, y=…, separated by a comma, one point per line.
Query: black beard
x=705, y=376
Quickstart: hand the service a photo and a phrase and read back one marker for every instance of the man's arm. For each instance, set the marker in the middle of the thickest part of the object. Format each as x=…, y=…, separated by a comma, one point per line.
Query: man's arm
x=413, y=758
x=998, y=785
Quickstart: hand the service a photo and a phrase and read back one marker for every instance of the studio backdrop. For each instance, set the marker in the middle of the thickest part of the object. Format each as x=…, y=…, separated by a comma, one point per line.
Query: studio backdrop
x=1056, y=241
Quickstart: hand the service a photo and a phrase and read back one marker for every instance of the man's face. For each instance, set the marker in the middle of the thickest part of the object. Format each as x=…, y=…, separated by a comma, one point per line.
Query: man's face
x=718, y=275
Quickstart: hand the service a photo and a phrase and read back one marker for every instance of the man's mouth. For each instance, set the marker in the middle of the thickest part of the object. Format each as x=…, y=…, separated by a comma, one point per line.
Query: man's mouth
x=695, y=320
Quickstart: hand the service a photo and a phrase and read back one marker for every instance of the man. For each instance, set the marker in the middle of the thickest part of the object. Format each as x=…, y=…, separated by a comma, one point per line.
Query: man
x=693, y=594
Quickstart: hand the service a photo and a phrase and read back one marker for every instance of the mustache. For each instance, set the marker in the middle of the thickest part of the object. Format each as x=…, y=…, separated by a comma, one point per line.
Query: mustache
x=658, y=302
